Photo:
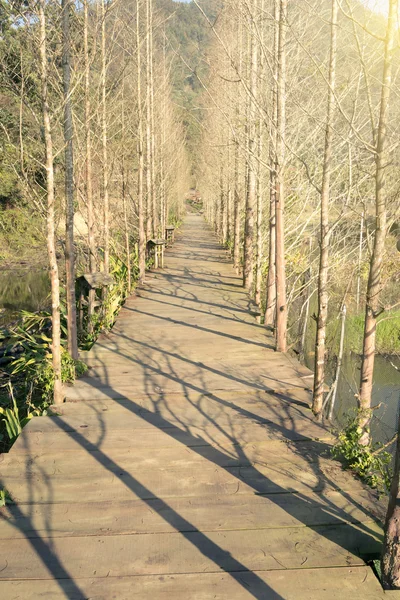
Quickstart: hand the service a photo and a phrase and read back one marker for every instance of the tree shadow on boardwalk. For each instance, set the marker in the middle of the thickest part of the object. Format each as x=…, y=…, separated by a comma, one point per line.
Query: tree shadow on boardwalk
x=236, y=338
x=284, y=425
x=222, y=559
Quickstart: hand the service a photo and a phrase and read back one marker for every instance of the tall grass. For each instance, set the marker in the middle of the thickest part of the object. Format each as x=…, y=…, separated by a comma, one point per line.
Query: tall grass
x=387, y=334
x=27, y=377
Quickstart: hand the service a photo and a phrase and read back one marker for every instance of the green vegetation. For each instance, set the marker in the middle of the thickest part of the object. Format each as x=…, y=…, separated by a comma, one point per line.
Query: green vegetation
x=21, y=235
x=5, y=498
x=188, y=37
x=371, y=463
x=13, y=422
x=28, y=378
x=387, y=334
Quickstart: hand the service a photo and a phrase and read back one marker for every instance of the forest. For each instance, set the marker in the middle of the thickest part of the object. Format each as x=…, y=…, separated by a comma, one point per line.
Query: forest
x=285, y=119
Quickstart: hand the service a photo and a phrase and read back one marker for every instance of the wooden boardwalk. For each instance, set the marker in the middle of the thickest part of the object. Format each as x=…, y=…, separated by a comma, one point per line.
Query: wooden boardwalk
x=187, y=465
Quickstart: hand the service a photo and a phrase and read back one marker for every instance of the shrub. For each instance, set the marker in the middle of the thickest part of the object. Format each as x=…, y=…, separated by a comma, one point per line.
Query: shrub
x=369, y=462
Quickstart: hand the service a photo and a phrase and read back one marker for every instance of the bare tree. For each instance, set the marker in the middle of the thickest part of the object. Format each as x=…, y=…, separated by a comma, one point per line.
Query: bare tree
x=106, y=209
x=141, y=219
x=88, y=165
x=251, y=188
x=375, y=271
x=88, y=145
x=51, y=239
x=69, y=183
x=270, y=309
x=150, y=200
x=281, y=305
x=325, y=231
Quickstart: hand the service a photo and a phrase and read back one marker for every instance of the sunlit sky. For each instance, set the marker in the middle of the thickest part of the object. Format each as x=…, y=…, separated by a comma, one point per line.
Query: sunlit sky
x=380, y=6
x=377, y=5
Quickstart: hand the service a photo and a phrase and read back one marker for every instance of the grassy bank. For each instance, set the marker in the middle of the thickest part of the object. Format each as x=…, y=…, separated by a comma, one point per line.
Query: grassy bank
x=387, y=334
x=21, y=235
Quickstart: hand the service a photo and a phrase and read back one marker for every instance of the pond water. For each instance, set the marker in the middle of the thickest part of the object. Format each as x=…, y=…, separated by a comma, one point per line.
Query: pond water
x=386, y=392
x=22, y=290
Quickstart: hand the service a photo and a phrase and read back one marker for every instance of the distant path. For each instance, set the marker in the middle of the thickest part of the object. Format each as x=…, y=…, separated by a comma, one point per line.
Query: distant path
x=187, y=465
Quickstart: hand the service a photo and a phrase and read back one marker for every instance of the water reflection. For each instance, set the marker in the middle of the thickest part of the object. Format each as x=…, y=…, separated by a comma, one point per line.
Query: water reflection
x=22, y=290
x=386, y=392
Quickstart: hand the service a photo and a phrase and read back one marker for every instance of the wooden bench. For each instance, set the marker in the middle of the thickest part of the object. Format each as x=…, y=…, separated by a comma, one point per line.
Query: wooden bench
x=155, y=250
x=87, y=285
x=169, y=235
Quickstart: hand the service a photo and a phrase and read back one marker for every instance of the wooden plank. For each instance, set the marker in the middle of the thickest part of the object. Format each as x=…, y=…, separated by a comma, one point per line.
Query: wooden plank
x=221, y=417
x=172, y=384
x=228, y=455
x=357, y=583
x=182, y=401
x=170, y=449
x=193, y=552
x=101, y=480
x=86, y=464
x=206, y=513
x=91, y=440
x=172, y=369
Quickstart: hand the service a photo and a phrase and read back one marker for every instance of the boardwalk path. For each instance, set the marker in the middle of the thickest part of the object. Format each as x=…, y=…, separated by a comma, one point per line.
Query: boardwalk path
x=187, y=465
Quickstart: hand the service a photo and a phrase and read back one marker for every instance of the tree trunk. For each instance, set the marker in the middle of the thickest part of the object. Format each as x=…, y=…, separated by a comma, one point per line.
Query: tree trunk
x=360, y=249
x=149, y=161
x=156, y=220
x=259, y=245
x=323, y=297
x=222, y=209
x=88, y=144
x=339, y=363
x=236, y=192
x=270, y=309
x=390, y=563
x=304, y=325
x=281, y=305
x=236, y=214
x=374, y=280
x=69, y=184
x=88, y=169
x=123, y=187
x=142, y=232
x=51, y=239
x=104, y=140
x=251, y=188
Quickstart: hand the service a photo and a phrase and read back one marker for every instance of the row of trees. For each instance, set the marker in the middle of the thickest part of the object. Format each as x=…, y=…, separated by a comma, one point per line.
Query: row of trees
x=306, y=150
x=92, y=125
x=301, y=163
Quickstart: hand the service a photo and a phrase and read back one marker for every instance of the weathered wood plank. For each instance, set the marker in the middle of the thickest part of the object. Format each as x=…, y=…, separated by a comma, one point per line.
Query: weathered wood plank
x=103, y=480
x=357, y=583
x=205, y=513
x=191, y=552
x=227, y=419
x=90, y=439
x=183, y=401
x=168, y=384
x=228, y=455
